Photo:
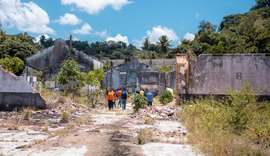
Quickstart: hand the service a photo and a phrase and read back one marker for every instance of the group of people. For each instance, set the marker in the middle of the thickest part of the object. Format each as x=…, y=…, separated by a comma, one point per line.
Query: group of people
x=149, y=96
x=121, y=97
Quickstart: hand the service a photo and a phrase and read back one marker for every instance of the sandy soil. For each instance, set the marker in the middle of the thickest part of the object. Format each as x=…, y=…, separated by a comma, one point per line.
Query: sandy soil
x=109, y=133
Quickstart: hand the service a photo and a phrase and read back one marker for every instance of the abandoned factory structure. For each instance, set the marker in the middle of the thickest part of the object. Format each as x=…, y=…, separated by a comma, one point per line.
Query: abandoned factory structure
x=50, y=60
x=194, y=76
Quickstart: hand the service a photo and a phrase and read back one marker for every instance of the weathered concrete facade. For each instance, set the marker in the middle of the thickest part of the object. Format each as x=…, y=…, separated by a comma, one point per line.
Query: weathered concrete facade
x=125, y=75
x=15, y=92
x=50, y=60
x=135, y=74
x=197, y=76
x=216, y=74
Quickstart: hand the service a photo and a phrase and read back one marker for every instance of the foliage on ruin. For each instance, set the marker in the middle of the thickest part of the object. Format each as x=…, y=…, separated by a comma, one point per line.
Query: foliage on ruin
x=165, y=68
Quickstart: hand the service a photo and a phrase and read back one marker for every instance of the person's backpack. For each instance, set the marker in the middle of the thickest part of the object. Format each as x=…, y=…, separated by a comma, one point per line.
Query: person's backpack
x=124, y=95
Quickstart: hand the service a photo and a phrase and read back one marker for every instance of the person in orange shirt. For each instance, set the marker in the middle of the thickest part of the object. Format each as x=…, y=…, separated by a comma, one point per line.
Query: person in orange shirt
x=119, y=94
x=110, y=99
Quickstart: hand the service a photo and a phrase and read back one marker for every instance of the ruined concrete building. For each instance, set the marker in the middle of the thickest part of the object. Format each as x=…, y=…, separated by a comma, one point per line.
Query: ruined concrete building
x=50, y=60
x=194, y=76
x=15, y=92
x=135, y=74
x=216, y=74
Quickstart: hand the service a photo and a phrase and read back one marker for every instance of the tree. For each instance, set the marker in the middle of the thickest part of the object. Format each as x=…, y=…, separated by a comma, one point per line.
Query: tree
x=146, y=44
x=46, y=42
x=13, y=64
x=163, y=44
x=94, y=78
x=15, y=48
x=261, y=4
x=70, y=74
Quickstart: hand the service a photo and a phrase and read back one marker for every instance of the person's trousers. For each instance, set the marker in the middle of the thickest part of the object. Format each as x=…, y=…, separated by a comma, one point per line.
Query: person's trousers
x=149, y=103
x=120, y=102
x=123, y=102
x=110, y=104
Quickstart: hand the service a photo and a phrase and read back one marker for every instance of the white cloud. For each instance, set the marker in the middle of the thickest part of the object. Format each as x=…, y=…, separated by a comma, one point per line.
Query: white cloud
x=37, y=39
x=118, y=38
x=158, y=31
x=189, y=36
x=28, y=17
x=95, y=6
x=137, y=43
x=101, y=34
x=69, y=19
x=84, y=30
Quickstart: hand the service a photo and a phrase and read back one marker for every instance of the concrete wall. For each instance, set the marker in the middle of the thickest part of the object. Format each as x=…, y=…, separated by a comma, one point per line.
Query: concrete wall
x=215, y=74
x=10, y=101
x=125, y=75
x=11, y=83
x=15, y=92
x=50, y=60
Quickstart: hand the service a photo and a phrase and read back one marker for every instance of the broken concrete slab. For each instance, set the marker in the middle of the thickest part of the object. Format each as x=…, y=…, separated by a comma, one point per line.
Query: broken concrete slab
x=15, y=92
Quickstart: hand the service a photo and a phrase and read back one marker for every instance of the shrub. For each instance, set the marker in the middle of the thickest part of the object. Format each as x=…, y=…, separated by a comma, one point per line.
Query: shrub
x=149, y=121
x=139, y=102
x=144, y=136
x=27, y=113
x=165, y=97
x=233, y=126
x=65, y=116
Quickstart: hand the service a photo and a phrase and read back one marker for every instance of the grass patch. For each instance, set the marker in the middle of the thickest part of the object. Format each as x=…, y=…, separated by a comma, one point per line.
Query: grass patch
x=144, y=136
x=13, y=127
x=27, y=113
x=237, y=125
x=149, y=121
x=65, y=116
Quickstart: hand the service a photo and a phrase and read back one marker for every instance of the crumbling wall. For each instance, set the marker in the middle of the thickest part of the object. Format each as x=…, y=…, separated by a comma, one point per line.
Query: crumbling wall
x=49, y=57
x=125, y=75
x=15, y=92
x=215, y=74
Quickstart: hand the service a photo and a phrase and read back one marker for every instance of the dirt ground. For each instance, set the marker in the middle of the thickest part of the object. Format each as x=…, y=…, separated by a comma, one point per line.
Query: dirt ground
x=99, y=132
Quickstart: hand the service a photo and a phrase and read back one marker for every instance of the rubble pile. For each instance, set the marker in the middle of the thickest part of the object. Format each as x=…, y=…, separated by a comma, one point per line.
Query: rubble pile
x=157, y=113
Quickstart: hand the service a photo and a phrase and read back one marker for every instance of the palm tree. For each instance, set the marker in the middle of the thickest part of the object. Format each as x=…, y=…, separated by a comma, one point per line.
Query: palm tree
x=163, y=44
x=146, y=44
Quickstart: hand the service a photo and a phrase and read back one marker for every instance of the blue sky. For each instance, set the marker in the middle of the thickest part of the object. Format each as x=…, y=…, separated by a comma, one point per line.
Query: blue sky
x=126, y=20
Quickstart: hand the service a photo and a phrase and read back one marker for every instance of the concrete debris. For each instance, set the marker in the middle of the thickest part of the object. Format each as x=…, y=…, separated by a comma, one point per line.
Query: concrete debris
x=158, y=113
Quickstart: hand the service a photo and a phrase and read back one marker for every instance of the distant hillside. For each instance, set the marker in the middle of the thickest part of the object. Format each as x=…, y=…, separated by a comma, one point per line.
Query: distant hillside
x=238, y=33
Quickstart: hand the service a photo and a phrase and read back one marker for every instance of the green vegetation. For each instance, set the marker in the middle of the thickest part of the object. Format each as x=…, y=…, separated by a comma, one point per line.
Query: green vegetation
x=70, y=73
x=139, y=102
x=237, y=125
x=165, y=97
x=14, y=64
x=238, y=33
x=165, y=68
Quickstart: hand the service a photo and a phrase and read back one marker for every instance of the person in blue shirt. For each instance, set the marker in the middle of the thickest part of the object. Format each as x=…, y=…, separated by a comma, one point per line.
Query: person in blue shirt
x=124, y=96
x=149, y=97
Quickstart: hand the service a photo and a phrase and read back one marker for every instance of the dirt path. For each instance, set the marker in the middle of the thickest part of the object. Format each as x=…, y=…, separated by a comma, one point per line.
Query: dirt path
x=107, y=133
